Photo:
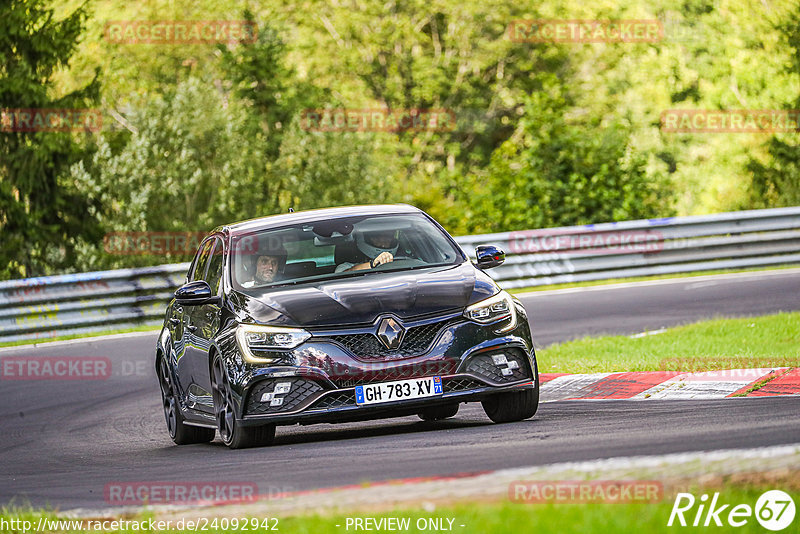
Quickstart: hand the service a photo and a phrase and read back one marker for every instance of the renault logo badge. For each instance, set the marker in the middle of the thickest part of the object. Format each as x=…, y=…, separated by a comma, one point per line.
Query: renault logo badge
x=390, y=332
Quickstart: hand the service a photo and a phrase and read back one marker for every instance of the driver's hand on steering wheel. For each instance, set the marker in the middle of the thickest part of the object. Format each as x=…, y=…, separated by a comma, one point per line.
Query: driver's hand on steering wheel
x=383, y=257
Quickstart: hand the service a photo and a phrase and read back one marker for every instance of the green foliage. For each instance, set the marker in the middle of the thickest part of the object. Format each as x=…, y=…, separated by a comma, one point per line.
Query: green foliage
x=334, y=169
x=197, y=155
x=776, y=182
x=258, y=75
x=178, y=154
x=546, y=134
x=553, y=173
x=42, y=216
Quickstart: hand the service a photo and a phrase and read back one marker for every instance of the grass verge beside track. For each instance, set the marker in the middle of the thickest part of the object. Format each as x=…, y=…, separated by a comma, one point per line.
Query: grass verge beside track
x=752, y=342
x=471, y=517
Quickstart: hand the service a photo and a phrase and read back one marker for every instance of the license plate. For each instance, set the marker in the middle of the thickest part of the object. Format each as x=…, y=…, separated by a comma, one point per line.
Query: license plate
x=415, y=388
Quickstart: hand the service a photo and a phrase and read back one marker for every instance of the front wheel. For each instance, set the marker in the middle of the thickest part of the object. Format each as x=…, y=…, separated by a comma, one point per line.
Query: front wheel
x=233, y=434
x=179, y=431
x=514, y=406
x=508, y=407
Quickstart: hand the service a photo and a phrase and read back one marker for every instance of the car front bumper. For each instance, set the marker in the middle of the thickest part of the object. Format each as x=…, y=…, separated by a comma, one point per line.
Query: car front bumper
x=334, y=406
x=474, y=362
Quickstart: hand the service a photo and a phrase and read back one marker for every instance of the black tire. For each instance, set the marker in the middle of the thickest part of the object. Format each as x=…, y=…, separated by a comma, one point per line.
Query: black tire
x=508, y=407
x=514, y=406
x=233, y=434
x=437, y=413
x=179, y=431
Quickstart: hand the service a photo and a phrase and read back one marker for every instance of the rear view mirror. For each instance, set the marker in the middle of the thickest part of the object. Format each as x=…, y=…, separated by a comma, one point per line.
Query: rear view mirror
x=195, y=293
x=489, y=256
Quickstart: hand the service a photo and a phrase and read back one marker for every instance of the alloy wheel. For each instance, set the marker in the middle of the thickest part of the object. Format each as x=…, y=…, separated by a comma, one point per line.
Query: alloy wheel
x=168, y=398
x=223, y=402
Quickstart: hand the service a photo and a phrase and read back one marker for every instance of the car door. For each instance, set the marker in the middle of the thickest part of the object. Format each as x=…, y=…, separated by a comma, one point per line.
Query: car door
x=186, y=358
x=176, y=315
x=204, y=320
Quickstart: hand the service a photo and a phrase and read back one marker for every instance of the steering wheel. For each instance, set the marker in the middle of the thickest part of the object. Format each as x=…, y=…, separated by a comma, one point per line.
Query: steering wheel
x=395, y=260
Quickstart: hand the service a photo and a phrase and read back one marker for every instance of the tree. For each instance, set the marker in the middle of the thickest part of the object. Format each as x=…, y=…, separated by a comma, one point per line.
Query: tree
x=182, y=167
x=776, y=182
x=200, y=154
x=333, y=169
x=43, y=216
x=560, y=170
x=295, y=167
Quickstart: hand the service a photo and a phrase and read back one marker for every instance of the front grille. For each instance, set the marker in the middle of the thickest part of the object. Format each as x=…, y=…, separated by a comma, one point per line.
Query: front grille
x=483, y=366
x=460, y=384
x=335, y=400
x=301, y=389
x=403, y=372
x=348, y=398
x=416, y=341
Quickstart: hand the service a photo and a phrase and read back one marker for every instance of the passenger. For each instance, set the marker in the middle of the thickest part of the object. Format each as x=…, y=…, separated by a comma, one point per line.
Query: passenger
x=268, y=267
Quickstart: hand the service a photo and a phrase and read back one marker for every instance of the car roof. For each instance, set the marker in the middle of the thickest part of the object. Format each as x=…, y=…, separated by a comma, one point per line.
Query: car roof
x=307, y=216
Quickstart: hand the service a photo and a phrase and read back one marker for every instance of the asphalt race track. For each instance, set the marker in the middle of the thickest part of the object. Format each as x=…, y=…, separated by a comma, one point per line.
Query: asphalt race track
x=61, y=442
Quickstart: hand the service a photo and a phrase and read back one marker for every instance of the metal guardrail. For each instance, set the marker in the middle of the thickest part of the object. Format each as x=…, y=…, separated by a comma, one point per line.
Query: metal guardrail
x=81, y=303
x=755, y=238
x=51, y=306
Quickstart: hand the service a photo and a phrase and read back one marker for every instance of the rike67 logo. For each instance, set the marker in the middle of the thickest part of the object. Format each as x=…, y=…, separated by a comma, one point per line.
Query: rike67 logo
x=774, y=510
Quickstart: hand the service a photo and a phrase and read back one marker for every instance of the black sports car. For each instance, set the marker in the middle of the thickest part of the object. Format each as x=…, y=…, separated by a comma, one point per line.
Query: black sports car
x=336, y=315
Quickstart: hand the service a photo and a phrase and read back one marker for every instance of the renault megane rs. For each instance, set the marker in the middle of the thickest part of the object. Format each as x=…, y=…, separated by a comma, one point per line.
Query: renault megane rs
x=338, y=315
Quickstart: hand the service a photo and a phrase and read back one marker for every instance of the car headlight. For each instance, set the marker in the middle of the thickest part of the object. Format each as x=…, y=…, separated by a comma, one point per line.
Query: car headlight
x=495, y=309
x=253, y=337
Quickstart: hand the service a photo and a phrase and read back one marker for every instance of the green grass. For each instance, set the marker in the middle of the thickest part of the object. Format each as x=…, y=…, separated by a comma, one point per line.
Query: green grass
x=770, y=340
x=645, y=278
x=515, y=518
x=506, y=516
x=80, y=336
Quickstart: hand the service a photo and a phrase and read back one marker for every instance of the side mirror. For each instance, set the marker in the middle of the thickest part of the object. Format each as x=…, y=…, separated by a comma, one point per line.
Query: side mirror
x=489, y=256
x=195, y=293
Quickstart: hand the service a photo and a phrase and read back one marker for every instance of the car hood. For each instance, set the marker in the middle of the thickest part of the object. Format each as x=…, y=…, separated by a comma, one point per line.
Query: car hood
x=361, y=299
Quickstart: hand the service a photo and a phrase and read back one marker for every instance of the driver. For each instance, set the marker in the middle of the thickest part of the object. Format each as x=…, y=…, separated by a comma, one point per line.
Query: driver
x=268, y=266
x=380, y=246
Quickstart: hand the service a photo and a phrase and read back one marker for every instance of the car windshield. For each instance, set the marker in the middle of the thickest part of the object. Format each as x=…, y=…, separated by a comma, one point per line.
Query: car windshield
x=338, y=248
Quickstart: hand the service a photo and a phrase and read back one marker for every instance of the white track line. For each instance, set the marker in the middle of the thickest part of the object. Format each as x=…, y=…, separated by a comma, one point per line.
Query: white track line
x=685, y=279
x=81, y=340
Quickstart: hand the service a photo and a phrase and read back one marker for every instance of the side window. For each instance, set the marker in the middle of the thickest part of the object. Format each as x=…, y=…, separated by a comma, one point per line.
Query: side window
x=200, y=264
x=215, y=267
x=193, y=266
